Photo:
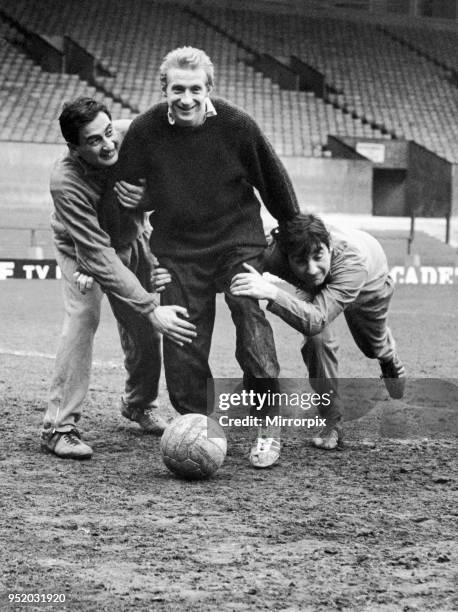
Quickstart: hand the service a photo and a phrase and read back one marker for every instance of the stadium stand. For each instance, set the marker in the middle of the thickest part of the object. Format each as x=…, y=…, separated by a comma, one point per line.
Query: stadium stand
x=31, y=98
x=374, y=81
x=437, y=45
x=373, y=76
x=387, y=82
x=132, y=56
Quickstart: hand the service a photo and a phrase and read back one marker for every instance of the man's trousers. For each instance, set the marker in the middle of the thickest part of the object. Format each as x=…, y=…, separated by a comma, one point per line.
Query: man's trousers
x=139, y=341
x=367, y=321
x=195, y=285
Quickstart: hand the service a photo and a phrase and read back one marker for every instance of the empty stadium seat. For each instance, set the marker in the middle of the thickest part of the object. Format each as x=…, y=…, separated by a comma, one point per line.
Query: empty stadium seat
x=378, y=81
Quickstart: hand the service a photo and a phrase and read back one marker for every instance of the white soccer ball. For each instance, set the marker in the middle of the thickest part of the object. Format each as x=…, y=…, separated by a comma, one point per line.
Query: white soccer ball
x=193, y=446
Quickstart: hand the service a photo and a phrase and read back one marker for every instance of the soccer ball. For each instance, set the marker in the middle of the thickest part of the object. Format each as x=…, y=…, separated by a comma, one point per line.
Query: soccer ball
x=193, y=446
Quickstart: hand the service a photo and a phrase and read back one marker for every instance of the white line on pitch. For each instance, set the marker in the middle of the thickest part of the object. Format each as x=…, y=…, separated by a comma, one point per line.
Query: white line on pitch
x=96, y=364
x=409, y=312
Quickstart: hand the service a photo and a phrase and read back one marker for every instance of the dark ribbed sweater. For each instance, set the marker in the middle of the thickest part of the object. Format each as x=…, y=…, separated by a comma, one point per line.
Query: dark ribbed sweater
x=200, y=180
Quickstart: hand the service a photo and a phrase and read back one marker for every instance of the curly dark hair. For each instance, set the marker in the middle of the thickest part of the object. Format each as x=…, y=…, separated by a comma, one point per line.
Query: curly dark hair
x=302, y=236
x=76, y=114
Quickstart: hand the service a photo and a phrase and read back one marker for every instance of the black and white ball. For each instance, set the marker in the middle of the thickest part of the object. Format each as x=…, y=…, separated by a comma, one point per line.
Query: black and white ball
x=193, y=446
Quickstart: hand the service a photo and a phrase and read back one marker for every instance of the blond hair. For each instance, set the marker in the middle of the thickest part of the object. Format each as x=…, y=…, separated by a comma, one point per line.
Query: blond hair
x=186, y=57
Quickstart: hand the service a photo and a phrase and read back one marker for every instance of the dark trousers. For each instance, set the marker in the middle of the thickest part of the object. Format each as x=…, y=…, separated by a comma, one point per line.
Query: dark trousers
x=195, y=285
x=140, y=342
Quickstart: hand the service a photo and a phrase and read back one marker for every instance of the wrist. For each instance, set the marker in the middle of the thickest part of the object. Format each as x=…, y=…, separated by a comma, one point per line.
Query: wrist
x=272, y=294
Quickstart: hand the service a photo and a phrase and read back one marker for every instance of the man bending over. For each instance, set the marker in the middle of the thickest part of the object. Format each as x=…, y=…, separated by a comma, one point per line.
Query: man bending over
x=334, y=271
x=84, y=252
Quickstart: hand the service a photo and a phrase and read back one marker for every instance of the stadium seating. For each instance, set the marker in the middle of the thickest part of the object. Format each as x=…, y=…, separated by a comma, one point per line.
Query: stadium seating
x=376, y=77
x=31, y=99
x=439, y=45
x=373, y=80
x=297, y=122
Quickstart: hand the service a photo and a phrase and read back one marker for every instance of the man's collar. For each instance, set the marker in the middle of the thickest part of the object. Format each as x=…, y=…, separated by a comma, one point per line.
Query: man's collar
x=87, y=169
x=210, y=111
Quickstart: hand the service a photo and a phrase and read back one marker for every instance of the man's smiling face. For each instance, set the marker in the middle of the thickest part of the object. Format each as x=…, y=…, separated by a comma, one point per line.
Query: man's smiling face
x=98, y=142
x=186, y=92
x=314, y=270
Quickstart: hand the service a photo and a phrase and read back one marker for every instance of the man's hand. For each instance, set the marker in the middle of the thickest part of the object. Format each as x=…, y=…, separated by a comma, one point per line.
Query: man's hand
x=252, y=284
x=167, y=321
x=130, y=195
x=83, y=281
x=159, y=279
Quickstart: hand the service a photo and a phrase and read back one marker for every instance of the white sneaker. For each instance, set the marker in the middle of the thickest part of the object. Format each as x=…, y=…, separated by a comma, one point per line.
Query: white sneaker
x=265, y=452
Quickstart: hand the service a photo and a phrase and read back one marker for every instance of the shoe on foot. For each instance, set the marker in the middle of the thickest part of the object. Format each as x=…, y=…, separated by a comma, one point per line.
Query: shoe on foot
x=329, y=437
x=265, y=452
x=394, y=376
x=65, y=444
x=148, y=418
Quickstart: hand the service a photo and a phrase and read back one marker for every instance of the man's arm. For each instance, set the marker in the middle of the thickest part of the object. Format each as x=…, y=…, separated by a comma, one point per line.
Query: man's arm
x=310, y=317
x=269, y=176
x=99, y=260
x=307, y=317
x=132, y=166
x=93, y=248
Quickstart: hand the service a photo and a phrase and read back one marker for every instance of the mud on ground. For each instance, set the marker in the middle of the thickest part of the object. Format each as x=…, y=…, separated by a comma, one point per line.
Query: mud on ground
x=371, y=527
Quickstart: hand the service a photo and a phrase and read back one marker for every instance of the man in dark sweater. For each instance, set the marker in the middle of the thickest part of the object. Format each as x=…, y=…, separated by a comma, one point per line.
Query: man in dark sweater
x=201, y=159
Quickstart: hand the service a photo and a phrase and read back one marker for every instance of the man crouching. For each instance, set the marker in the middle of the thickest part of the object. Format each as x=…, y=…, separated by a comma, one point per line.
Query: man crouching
x=334, y=271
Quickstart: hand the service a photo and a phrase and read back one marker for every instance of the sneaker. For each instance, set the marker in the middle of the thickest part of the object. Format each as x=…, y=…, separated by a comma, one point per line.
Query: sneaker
x=329, y=438
x=148, y=419
x=265, y=452
x=66, y=444
x=394, y=376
